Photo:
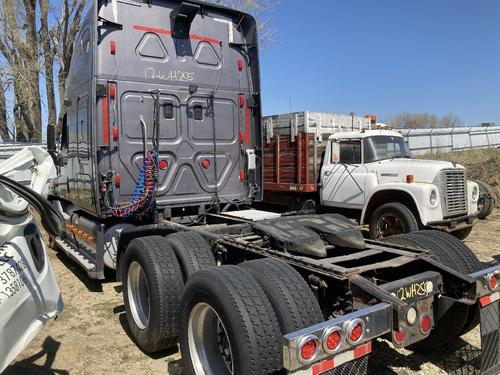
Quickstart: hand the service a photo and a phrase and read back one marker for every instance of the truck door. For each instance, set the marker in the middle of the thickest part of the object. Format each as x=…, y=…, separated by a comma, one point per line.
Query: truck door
x=343, y=175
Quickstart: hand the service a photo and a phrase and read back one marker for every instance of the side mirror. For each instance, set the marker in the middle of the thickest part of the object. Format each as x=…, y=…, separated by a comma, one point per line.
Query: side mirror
x=51, y=139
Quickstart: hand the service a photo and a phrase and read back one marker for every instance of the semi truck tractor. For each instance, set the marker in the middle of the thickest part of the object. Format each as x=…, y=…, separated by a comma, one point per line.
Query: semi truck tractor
x=159, y=160
x=340, y=165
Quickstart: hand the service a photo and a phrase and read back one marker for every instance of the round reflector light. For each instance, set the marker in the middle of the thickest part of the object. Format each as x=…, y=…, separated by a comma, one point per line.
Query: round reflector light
x=205, y=163
x=411, y=316
x=399, y=337
x=355, y=331
x=425, y=324
x=163, y=164
x=492, y=281
x=308, y=349
x=332, y=338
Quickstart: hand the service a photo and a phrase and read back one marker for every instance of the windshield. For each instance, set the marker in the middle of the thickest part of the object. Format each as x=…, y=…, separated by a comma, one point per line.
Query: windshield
x=385, y=147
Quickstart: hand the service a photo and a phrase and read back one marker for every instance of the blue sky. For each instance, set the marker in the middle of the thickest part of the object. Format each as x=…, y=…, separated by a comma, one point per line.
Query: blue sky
x=385, y=57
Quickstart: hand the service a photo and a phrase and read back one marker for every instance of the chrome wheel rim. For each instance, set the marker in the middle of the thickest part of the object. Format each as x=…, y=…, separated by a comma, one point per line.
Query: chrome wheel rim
x=209, y=346
x=138, y=294
x=389, y=225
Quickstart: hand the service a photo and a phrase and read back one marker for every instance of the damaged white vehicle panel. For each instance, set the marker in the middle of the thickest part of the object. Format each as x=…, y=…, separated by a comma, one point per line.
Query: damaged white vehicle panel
x=29, y=294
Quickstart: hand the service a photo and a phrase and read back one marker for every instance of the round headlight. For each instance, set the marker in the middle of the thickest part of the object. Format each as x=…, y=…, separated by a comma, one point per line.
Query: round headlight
x=475, y=193
x=433, y=198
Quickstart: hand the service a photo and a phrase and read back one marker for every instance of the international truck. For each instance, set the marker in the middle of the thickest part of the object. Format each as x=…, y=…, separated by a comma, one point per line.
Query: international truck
x=159, y=161
x=350, y=165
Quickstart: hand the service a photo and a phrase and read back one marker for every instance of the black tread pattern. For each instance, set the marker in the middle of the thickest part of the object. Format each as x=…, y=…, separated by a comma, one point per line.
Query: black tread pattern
x=470, y=264
x=450, y=326
x=244, y=302
x=166, y=286
x=291, y=297
x=192, y=251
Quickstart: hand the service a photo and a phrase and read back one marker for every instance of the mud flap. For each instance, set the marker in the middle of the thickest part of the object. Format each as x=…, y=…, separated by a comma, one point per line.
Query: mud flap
x=357, y=367
x=490, y=338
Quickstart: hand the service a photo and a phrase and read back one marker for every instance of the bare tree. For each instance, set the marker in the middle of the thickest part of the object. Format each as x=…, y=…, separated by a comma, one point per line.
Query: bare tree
x=19, y=46
x=63, y=36
x=262, y=10
x=423, y=121
x=4, y=129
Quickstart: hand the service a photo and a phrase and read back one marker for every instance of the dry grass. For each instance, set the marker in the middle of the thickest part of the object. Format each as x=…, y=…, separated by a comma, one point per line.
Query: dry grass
x=481, y=164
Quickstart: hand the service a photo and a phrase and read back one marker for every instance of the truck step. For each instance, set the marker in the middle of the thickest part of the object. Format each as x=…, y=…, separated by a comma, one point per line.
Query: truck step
x=82, y=257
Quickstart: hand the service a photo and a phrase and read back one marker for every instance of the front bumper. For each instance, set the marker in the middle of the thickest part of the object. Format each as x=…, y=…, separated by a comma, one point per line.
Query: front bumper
x=453, y=224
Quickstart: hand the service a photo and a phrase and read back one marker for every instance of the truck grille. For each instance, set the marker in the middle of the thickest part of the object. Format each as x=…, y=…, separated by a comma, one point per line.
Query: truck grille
x=455, y=192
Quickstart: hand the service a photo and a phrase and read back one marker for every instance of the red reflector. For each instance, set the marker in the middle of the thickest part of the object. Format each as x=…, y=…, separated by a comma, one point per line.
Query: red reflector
x=492, y=281
x=115, y=133
x=118, y=180
x=112, y=90
x=163, y=164
x=242, y=137
x=333, y=340
x=425, y=324
x=399, y=337
x=105, y=121
x=356, y=332
x=308, y=350
x=205, y=163
x=242, y=101
x=240, y=65
x=112, y=47
x=242, y=175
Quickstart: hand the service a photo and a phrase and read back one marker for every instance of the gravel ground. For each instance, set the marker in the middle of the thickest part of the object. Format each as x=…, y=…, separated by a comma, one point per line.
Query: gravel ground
x=91, y=335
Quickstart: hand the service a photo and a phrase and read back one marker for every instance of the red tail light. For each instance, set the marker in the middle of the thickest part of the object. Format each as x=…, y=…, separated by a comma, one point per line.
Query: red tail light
x=307, y=348
x=492, y=281
x=399, y=337
x=242, y=101
x=118, y=180
x=205, y=163
x=112, y=90
x=425, y=324
x=112, y=47
x=240, y=65
x=355, y=331
x=332, y=339
x=163, y=165
x=115, y=133
x=242, y=175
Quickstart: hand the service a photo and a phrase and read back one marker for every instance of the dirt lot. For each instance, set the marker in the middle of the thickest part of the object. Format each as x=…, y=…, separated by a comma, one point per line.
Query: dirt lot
x=91, y=335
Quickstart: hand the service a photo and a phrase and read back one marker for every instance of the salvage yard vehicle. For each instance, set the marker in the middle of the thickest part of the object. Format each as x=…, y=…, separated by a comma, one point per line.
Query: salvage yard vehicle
x=29, y=295
x=160, y=158
x=319, y=159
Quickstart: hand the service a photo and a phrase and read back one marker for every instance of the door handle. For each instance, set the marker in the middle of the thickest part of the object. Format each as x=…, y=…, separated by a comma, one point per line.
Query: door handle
x=328, y=173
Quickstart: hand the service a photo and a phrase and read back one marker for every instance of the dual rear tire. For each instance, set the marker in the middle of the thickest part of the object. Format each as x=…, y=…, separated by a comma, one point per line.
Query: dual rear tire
x=228, y=319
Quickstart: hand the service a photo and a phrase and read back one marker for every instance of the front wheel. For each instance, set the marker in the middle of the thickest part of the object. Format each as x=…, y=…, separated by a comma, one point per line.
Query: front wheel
x=392, y=219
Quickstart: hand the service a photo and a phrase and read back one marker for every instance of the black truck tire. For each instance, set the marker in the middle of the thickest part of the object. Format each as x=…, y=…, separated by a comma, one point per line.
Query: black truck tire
x=294, y=302
x=469, y=264
x=462, y=234
x=453, y=322
x=291, y=297
x=192, y=251
x=486, y=202
x=392, y=219
x=152, y=289
x=228, y=322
